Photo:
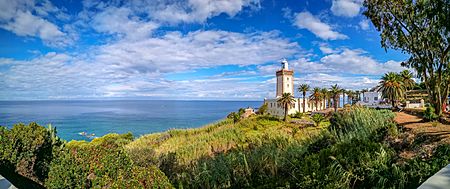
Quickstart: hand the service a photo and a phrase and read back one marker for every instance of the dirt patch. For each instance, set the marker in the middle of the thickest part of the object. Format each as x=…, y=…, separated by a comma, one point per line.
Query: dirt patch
x=419, y=138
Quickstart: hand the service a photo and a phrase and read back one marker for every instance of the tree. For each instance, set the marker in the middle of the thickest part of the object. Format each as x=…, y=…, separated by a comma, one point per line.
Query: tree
x=391, y=87
x=316, y=96
x=421, y=29
x=351, y=96
x=357, y=96
x=408, y=82
x=362, y=92
x=343, y=97
x=326, y=96
x=263, y=109
x=335, y=91
x=234, y=116
x=286, y=100
x=303, y=88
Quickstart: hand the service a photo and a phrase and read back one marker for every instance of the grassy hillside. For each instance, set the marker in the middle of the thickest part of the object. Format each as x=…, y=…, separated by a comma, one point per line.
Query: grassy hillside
x=191, y=144
x=356, y=148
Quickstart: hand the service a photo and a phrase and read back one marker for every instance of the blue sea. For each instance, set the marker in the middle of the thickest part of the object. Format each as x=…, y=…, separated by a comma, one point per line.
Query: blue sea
x=117, y=116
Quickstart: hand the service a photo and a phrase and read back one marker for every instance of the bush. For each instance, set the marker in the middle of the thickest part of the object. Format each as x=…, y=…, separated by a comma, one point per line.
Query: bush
x=317, y=118
x=298, y=115
x=263, y=109
x=429, y=114
x=360, y=122
x=26, y=151
x=101, y=163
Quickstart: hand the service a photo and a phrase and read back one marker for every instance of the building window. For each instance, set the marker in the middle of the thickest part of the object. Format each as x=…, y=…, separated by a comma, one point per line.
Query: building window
x=375, y=98
x=288, y=85
x=288, y=78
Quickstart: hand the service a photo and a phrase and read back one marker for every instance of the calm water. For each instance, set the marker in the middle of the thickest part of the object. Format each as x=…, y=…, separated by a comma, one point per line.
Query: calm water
x=101, y=117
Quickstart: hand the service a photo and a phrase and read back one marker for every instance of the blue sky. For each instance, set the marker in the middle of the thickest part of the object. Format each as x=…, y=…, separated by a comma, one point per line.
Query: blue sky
x=193, y=49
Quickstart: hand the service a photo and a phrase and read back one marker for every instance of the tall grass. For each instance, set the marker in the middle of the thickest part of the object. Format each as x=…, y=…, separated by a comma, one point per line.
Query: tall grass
x=351, y=153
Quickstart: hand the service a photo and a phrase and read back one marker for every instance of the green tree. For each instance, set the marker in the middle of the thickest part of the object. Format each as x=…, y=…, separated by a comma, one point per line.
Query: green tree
x=350, y=96
x=343, y=96
x=303, y=88
x=421, y=29
x=357, y=96
x=316, y=96
x=391, y=87
x=408, y=82
x=263, y=109
x=326, y=96
x=335, y=91
x=286, y=100
x=362, y=92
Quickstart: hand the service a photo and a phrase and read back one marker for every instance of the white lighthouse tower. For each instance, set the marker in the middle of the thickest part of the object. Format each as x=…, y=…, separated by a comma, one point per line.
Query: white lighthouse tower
x=285, y=79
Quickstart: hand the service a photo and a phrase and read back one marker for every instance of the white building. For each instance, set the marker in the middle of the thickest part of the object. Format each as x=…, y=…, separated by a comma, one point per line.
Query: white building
x=371, y=98
x=285, y=84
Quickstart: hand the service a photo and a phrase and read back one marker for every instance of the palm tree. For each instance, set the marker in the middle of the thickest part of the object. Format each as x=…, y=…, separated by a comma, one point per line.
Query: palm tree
x=326, y=96
x=357, y=95
x=362, y=92
x=407, y=80
x=286, y=100
x=343, y=97
x=316, y=96
x=303, y=88
x=351, y=96
x=335, y=91
x=391, y=87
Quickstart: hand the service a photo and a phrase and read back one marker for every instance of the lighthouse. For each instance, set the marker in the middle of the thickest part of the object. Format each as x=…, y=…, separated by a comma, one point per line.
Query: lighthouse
x=285, y=79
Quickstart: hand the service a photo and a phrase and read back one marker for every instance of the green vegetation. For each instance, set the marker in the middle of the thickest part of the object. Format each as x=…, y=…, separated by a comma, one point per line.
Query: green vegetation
x=303, y=88
x=318, y=118
x=297, y=115
x=334, y=93
x=429, y=115
x=316, y=96
x=392, y=87
x=354, y=149
x=286, y=100
x=353, y=152
x=31, y=156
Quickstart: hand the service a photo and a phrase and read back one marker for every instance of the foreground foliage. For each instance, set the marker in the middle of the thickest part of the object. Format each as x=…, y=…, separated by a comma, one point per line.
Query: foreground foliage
x=355, y=151
x=32, y=156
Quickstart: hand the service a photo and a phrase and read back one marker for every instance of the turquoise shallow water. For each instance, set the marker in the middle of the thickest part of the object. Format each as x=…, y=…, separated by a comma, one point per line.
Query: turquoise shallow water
x=119, y=116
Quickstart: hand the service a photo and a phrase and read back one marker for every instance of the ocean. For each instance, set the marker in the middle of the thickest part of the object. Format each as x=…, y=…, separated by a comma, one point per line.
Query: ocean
x=99, y=117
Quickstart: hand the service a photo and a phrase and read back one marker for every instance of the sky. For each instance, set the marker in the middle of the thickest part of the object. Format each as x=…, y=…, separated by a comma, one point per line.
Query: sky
x=185, y=50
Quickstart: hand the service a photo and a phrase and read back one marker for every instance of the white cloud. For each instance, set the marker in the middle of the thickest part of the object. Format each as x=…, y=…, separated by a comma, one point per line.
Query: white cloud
x=198, y=10
x=346, y=8
x=121, y=21
x=179, y=11
x=133, y=68
x=326, y=49
x=356, y=62
x=200, y=49
x=364, y=24
x=347, y=82
x=305, y=20
x=17, y=17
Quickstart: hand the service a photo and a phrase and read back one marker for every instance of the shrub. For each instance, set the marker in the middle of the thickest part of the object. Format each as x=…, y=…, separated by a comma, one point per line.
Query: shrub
x=26, y=151
x=101, y=163
x=429, y=114
x=360, y=122
x=298, y=115
x=317, y=118
x=263, y=109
